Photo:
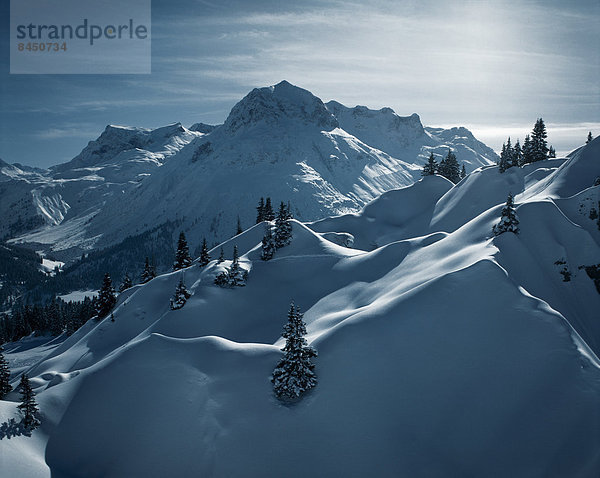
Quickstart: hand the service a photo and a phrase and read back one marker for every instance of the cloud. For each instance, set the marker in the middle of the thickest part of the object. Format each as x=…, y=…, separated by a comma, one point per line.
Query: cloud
x=67, y=131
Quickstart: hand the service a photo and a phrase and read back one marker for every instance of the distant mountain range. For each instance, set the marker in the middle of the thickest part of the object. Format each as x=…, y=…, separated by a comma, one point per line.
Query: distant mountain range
x=280, y=141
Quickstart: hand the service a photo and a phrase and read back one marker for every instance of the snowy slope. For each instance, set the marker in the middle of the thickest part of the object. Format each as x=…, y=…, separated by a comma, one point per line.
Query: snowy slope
x=441, y=352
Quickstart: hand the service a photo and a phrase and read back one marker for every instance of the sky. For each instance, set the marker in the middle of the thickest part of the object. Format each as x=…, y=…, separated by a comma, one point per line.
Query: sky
x=492, y=66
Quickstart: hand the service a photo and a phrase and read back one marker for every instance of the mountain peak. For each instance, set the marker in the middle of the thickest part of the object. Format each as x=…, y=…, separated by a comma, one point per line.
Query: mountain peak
x=277, y=104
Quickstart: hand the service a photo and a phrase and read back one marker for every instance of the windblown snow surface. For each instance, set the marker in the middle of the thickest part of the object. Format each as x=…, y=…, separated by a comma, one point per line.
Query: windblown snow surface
x=443, y=351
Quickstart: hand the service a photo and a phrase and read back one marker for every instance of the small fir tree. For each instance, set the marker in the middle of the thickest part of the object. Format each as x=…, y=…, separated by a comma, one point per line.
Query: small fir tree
x=551, y=152
x=268, y=244
x=182, y=256
x=294, y=375
x=204, y=254
x=539, y=145
x=449, y=167
x=463, y=172
x=234, y=275
x=269, y=215
x=4, y=376
x=508, y=220
x=28, y=407
x=126, y=284
x=106, y=297
x=283, y=227
x=238, y=229
x=517, y=155
x=507, y=157
x=528, y=156
x=503, y=162
x=589, y=138
x=430, y=167
x=148, y=273
x=221, y=256
x=260, y=211
x=181, y=295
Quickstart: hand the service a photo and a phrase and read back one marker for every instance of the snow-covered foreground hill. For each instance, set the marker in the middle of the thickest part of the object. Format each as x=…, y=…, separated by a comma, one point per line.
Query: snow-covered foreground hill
x=279, y=141
x=443, y=350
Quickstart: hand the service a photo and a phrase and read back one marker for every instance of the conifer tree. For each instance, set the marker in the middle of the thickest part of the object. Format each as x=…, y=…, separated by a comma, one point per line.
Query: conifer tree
x=294, y=374
x=442, y=170
x=527, y=150
x=503, y=162
x=181, y=295
x=234, y=275
x=449, y=167
x=430, y=167
x=551, y=152
x=148, y=273
x=237, y=275
x=589, y=137
x=204, y=254
x=508, y=220
x=268, y=244
x=269, y=215
x=517, y=159
x=126, y=284
x=283, y=227
x=539, y=145
x=182, y=256
x=221, y=256
x=260, y=211
x=4, y=376
x=106, y=297
x=28, y=407
x=463, y=172
x=507, y=157
x=238, y=229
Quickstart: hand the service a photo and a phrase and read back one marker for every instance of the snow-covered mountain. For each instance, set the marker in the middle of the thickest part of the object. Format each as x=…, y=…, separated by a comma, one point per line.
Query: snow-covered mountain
x=280, y=141
x=443, y=350
x=62, y=200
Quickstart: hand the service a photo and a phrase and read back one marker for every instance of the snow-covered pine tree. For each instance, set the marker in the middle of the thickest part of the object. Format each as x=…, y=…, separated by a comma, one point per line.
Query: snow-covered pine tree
x=589, y=137
x=442, y=169
x=181, y=295
x=551, y=152
x=204, y=254
x=221, y=256
x=527, y=150
x=237, y=275
x=148, y=273
x=283, y=228
x=517, y=155
x=463, y=172
x=509, y=221
x=182, y=256
x=539, y=145
x=430, y=167
x=126, y=284
x=4, y=376
x=269, y=215
x=28, y=406
x=294, y=374
x=450, y=169
x=503, y=162
x=106, y=297
x=268, y=244
x=233, y=275
x=260, y=211
x=238, y=229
